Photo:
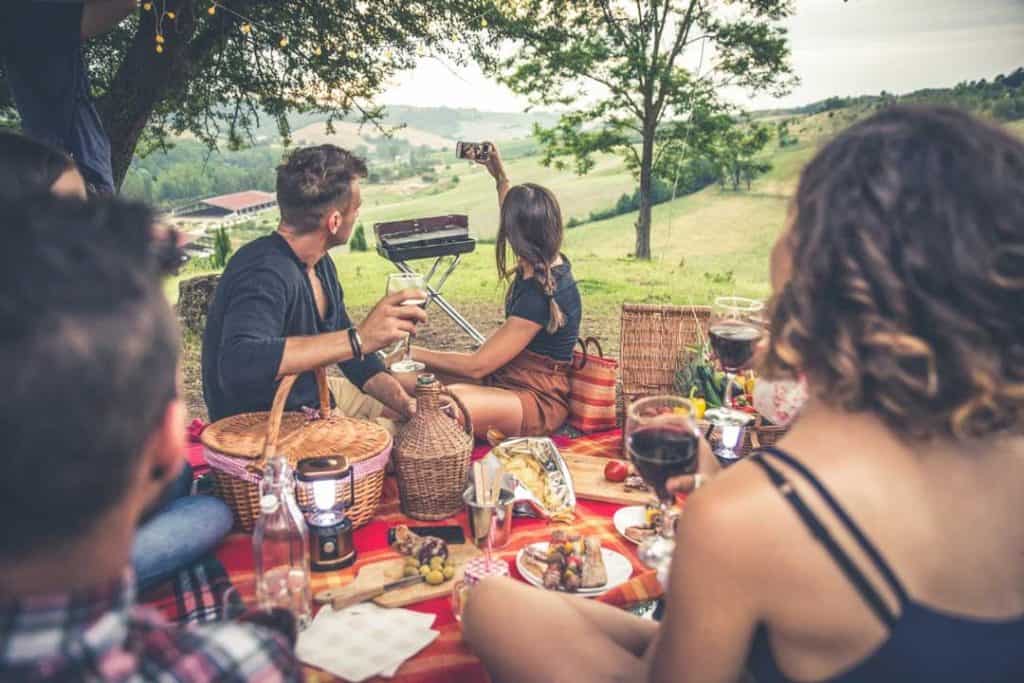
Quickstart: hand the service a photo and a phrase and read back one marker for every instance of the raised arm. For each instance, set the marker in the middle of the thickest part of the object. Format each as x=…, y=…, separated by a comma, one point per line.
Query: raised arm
x=496, y=168
x=99, y=16
x=499, y=350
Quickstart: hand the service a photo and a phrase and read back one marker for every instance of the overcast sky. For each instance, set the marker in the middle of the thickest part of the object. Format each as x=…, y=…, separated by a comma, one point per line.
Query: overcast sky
x=852, y=48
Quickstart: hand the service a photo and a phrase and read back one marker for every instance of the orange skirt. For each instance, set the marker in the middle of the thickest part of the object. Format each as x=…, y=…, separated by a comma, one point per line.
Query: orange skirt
x=542, y=385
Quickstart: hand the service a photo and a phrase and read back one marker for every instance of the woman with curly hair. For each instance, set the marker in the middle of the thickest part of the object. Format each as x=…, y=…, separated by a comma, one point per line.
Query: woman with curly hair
x=881, y=541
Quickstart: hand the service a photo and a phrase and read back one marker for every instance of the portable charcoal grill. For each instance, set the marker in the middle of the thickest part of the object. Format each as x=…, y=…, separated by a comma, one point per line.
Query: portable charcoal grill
x=440, y=238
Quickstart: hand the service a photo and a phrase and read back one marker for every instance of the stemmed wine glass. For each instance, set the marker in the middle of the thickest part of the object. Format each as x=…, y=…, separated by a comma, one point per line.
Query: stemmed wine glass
x=735, y=330
x=662, y=441
x=398, y=282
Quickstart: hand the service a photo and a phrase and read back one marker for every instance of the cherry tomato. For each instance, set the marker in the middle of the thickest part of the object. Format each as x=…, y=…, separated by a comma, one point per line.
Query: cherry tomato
x=615, y=470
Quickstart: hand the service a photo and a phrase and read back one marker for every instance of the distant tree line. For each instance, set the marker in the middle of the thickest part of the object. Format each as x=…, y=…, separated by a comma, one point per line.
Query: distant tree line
x=189, y=171
x=1002, y=98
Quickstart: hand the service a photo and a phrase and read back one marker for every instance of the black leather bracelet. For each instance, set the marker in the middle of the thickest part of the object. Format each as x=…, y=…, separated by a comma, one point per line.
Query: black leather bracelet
x=356, y=343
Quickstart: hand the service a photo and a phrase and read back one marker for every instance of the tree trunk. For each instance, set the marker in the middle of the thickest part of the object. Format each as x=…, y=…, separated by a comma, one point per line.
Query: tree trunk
x=643, y=221
x=144, y=80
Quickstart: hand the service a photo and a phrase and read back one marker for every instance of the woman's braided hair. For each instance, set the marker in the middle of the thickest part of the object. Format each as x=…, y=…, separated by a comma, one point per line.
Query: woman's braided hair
x=531, y=225
x=907, y=282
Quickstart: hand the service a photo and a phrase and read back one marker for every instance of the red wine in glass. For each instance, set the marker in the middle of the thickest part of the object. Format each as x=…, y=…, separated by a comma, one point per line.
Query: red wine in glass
x=734, y=343
x=662, y=452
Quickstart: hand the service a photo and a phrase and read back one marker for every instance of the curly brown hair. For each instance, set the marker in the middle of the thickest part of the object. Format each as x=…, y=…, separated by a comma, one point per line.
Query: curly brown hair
x=906, y=297
x=313, y=180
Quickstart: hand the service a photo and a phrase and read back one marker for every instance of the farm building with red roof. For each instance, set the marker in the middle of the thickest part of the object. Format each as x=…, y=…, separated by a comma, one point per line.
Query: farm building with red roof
x=231, y=205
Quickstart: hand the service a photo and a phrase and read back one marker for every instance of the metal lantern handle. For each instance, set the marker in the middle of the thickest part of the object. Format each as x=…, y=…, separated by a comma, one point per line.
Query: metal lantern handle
x=351, y=487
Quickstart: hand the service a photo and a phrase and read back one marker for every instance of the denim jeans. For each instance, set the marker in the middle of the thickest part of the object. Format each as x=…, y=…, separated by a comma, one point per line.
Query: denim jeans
x=177, y=531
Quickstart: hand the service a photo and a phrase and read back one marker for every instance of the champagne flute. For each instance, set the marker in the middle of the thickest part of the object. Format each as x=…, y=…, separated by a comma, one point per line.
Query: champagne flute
x=398, y=282
x=735, y=330
x=662, y=441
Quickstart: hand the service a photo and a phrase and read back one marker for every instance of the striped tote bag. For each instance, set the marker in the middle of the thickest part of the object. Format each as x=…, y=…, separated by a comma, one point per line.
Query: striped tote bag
x=592, y=389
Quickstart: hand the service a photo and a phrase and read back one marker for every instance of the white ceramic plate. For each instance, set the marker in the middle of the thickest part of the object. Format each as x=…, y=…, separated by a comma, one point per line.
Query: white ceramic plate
x=633, y=515
x=616, y=565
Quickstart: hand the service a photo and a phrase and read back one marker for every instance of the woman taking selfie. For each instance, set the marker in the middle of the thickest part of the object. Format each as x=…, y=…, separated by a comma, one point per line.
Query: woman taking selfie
x=518, y=381
x=882, y=541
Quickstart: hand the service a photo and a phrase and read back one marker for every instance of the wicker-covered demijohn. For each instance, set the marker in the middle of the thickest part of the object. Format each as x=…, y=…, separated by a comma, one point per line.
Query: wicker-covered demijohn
x=432, y=454
x=237, y=447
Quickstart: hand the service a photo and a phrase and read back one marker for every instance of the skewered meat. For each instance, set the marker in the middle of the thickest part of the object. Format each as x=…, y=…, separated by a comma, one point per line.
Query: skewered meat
x=594, y=573
x=552, y=577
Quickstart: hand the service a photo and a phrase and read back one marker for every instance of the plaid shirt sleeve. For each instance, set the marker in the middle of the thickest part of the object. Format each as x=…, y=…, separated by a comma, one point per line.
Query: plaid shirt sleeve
x=102, y=635
x=228, y=652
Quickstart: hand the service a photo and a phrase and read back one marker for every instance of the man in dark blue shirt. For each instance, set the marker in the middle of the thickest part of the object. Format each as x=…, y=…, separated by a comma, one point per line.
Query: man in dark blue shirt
x=41, y=46
x=279, y=309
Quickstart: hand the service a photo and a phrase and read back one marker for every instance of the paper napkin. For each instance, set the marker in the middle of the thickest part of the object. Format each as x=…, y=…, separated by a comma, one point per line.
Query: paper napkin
x=364, y=640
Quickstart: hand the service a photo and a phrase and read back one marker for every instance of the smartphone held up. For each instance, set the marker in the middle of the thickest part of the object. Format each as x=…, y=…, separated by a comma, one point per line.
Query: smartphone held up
x=473, y=151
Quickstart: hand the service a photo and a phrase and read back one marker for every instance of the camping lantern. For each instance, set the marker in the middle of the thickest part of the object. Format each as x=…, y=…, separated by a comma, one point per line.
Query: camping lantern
x=330, y=530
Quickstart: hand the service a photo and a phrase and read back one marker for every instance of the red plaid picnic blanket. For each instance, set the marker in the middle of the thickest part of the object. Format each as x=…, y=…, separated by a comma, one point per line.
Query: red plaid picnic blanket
x=448, y=659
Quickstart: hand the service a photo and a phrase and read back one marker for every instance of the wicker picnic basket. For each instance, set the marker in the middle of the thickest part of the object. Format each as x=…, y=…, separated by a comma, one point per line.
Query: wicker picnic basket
x=237, y=447
x=432, y=455
x=651, y=338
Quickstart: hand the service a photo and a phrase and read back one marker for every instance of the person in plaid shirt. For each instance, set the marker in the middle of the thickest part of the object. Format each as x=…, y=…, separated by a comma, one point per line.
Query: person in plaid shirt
x=93, y=431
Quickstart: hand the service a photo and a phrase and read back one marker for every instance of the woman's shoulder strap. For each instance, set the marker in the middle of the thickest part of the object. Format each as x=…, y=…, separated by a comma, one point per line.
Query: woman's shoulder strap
x=860, y=582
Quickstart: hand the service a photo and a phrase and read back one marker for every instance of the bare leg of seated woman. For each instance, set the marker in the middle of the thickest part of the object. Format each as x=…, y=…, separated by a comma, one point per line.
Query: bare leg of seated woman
x=523, y=634
x=491, y=407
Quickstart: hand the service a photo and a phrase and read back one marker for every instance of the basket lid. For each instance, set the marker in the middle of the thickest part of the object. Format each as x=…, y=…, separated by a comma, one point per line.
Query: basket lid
x=243, y=436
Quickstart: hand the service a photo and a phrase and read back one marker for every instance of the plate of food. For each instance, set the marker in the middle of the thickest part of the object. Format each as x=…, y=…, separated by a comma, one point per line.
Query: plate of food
x=636, y=523
x=573, y=564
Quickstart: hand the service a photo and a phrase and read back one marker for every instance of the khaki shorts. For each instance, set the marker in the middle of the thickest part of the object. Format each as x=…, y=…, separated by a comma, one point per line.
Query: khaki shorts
x=351, y=402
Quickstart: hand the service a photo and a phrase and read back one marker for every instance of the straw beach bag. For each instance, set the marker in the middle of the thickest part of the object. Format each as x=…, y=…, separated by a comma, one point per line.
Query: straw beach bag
x=592, y=381
x=237, y=448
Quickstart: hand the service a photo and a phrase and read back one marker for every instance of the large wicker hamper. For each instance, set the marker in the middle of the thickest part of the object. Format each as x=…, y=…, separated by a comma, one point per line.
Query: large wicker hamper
x=237, y=447
x=651, y=339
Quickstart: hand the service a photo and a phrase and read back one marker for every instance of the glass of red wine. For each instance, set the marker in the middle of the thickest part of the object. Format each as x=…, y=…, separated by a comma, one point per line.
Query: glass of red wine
x=662, y=441
x=736, y=329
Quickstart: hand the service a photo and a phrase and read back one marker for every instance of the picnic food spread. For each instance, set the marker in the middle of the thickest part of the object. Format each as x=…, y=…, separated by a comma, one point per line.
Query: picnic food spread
x=538, y=467
x=639, y=532
x=425, y=555
x=570, y=562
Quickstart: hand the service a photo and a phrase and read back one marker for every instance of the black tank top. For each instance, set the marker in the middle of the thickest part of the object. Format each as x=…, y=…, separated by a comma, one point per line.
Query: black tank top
x=924, y=644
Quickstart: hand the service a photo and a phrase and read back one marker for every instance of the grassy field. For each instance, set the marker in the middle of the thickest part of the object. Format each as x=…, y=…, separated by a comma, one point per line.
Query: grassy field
x=710, y=243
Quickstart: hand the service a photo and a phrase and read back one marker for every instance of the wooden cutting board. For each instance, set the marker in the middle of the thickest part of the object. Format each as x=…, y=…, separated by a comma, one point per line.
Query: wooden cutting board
x=380, y=573
x=589, y=483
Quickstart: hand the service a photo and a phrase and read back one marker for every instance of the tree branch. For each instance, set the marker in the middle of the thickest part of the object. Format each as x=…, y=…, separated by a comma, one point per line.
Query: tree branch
x=677, y=48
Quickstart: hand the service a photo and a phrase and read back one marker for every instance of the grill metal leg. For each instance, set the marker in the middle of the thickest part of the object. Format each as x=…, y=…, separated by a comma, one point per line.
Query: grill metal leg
x=435, y=295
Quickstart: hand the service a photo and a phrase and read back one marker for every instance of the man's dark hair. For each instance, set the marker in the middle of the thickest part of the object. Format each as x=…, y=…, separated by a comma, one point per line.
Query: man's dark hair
x=314, y=180
x=28, y=167
x=88, y=360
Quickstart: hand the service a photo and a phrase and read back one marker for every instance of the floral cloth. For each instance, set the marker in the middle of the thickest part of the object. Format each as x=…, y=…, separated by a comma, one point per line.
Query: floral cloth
x=780, y=401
